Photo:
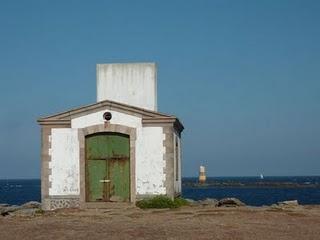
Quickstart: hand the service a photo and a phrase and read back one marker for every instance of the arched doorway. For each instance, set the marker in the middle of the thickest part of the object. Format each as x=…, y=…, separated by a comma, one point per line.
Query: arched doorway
x=107, y=167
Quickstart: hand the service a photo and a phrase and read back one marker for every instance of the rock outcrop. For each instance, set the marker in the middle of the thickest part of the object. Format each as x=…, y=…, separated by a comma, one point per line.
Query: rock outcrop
x=285, y=205
x=230, y=202
x=209, y=202
x=292, y=203
x=31, y=204
x=27, y=209
x=212, y=202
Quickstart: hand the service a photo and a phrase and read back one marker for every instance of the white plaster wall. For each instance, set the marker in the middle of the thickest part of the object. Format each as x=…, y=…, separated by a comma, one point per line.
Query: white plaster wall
x=149, y=152
x=97, y=118
x=131, y=83
x=64, y=163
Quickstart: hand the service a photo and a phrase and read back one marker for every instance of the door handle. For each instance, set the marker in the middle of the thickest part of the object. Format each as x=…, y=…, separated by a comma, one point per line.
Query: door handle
x=104, y=181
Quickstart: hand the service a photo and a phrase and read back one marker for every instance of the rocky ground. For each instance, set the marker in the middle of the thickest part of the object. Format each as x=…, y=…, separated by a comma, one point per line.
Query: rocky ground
x=207, y=219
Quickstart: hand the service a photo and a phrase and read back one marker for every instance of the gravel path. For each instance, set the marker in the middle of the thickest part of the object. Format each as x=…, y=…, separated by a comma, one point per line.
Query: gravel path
x=185, y=223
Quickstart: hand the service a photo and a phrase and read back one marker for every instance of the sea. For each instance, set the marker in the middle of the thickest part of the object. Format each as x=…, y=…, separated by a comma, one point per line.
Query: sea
x=251, y=190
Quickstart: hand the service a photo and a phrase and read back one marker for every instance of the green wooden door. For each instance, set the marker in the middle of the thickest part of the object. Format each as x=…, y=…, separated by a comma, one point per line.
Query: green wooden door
x=107, y=167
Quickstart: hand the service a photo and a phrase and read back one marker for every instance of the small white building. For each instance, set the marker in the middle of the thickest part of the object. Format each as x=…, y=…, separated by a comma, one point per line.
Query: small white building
x=119, y=149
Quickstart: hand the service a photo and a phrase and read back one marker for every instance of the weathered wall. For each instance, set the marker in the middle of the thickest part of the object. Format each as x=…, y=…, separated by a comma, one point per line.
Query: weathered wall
x=132, y=83
x=97, y=118
x=177, y=164
x=64, y=162
x=149, y=152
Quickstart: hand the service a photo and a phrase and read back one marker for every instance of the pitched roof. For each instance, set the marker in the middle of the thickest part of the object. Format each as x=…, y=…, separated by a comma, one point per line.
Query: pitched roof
x=148, y=117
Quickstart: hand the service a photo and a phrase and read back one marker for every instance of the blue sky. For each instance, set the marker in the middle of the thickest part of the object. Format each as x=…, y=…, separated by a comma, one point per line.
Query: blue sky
x=243, y=76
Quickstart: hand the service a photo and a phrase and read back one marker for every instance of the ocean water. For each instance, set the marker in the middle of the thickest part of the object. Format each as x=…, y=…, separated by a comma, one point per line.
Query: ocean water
x=250, y=190
x=255, y=191
x=20, y=191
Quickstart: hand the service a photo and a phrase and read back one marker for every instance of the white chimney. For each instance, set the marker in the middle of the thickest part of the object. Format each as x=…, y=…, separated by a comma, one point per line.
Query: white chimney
x=134, y=84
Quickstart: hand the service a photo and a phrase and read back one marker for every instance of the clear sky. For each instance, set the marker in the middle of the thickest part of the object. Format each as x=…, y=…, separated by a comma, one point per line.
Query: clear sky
x=243, y=76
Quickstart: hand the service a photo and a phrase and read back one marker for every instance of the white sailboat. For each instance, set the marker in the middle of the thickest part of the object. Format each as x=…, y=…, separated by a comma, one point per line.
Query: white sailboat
x=261, y=176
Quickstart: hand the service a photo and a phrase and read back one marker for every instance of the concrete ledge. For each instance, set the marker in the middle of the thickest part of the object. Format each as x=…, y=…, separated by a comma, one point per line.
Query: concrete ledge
x=56, y=202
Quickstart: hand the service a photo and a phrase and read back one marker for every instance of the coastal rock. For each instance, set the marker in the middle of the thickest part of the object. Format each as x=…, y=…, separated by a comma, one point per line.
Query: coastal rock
x=25, y=212
x=2, y=207
x=209, y=202
x=230, y=202
x=287, y=204
x=27, y=209
x=32, y=204
x=190, y=201
x=291, y=203
x=6, y=210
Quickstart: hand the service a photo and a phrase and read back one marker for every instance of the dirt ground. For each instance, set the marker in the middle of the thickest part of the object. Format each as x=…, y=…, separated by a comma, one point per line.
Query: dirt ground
x=200, y=222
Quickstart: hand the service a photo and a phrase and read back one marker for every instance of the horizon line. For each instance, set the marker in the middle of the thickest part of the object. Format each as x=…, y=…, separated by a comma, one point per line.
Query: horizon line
x=229, y=176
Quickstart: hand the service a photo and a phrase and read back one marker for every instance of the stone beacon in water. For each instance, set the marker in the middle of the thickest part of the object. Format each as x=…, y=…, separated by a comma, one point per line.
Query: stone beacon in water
x=202, y=174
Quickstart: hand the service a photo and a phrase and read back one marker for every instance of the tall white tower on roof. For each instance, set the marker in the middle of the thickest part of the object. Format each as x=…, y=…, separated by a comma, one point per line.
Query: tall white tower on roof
x=134, y=84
